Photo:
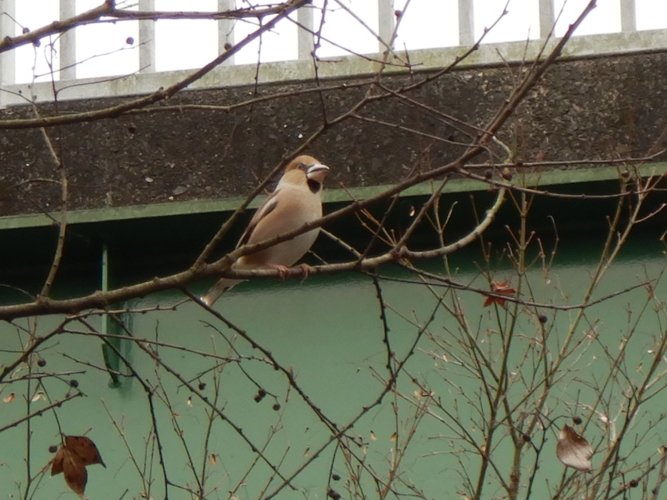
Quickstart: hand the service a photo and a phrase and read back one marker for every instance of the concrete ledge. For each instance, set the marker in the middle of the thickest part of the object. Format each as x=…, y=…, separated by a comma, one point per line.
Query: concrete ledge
x=544, y=178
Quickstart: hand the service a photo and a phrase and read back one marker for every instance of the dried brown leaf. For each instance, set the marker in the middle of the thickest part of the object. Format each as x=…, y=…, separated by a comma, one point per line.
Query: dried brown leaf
x=57, y=465
x=499, y=289
x=85, y=449
x=9, y=398
x=75, y=472
x=574, y=450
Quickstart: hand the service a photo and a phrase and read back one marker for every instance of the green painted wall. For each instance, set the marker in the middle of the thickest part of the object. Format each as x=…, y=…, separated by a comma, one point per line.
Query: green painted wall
x=328, y=332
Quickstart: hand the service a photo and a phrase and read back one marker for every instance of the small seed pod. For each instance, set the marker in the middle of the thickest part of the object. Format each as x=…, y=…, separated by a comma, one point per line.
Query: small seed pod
x=506, y=174
x=333, y=494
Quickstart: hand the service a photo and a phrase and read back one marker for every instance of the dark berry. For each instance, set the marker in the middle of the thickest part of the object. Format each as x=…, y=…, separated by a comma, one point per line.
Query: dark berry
x=506, y=174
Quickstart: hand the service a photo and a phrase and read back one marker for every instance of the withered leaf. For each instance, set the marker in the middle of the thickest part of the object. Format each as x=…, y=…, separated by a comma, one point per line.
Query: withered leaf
x=85, y=449
x=72, y=459
x=9, y=398
x=75, y=472
x=574, y=450
x=499, y=289
x=57, y=465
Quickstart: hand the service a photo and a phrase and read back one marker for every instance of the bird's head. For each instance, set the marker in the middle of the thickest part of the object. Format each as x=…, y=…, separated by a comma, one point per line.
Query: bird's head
x=315, y=172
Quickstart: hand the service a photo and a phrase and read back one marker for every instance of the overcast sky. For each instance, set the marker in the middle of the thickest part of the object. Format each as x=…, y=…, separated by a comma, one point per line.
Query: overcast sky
x=191, y=44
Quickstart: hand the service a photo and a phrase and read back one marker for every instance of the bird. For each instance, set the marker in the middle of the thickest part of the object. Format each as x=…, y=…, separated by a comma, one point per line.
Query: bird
x=297, y=200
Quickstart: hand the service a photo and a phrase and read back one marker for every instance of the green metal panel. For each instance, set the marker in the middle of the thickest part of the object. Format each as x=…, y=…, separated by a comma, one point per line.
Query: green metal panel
x=327, y=330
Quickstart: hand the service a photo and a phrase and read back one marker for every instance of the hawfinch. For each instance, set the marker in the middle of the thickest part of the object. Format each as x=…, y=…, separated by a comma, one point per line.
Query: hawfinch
x=297, y=200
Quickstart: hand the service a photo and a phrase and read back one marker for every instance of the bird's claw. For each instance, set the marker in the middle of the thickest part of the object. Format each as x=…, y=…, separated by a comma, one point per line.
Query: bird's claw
x=305, y=268
x=282, y=271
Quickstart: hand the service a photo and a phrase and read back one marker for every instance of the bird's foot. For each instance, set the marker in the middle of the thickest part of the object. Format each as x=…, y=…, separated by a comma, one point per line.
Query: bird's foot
x=306, y=270
x=282, y=271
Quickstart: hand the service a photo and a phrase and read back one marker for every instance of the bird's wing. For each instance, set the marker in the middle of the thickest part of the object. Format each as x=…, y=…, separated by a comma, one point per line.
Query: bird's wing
x=267, y=206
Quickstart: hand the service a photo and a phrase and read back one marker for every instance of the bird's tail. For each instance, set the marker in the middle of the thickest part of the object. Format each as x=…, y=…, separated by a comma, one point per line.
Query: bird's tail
x=217, y=290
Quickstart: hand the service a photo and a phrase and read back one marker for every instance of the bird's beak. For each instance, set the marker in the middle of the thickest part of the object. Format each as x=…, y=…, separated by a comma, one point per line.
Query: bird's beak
x=317, y=172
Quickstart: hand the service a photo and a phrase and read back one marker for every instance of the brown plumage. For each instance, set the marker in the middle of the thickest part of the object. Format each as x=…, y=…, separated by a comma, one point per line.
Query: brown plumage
x=297, y=200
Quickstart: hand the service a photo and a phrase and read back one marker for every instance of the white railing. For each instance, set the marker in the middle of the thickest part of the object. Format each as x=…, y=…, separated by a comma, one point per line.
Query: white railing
x=439, y=23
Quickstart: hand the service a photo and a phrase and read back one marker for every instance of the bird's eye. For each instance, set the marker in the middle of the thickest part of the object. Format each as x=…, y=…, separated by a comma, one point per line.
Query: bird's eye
x=303, y=166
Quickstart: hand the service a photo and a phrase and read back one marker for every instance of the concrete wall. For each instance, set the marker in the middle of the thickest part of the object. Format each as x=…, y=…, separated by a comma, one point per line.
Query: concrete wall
x=585, y=108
